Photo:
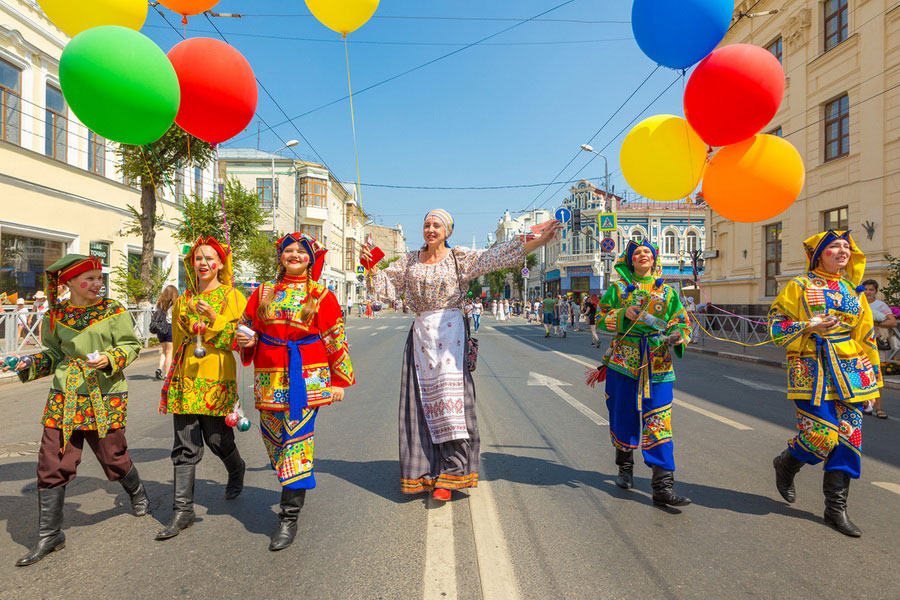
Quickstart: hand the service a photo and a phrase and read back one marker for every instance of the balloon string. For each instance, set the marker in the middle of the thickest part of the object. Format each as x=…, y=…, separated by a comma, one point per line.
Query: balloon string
x=353, y=123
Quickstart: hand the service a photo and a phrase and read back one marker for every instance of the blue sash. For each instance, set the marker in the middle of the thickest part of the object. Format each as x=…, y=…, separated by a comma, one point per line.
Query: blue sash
x=826, y=357
x=297, y=396
x=645, y=375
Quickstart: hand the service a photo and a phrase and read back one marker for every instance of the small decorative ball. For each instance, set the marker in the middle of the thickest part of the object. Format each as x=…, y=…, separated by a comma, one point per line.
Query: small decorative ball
x=199, y=328
x=199, y=352
x=11, y=361
x=27, y=361
x=232, y=419
x=243, y=424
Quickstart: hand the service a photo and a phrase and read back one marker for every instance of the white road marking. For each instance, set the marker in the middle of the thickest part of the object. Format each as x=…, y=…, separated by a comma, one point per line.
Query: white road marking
x=757, y=385
x=498, y=579
x=400, y=327
x=383, y=327
x=555, y=386
x=374, y=333
x=440, y=555
x=578, y=360
x=712, y=415
x=891, y=487
x=365, y=327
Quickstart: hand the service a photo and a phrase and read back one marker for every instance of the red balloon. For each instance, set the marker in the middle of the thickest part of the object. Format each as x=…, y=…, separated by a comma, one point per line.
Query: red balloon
x=232, y=419
x=218, y=89
x=733, y=93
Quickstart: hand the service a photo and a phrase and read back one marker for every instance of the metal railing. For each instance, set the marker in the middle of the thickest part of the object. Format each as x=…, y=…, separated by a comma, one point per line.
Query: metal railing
x=751, y=329
x=27, y=340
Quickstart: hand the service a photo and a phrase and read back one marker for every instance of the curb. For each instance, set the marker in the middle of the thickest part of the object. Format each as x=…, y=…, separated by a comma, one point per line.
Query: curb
x=9, y=377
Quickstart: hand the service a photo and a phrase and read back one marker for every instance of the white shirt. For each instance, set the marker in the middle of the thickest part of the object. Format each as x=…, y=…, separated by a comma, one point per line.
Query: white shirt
x=23, y=315
x=881, y=309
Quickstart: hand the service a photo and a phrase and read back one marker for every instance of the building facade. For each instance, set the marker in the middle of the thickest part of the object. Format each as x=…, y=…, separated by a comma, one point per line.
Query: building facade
x=390, y=239
x=60, y=186
x=305, y=196
x=841, y=110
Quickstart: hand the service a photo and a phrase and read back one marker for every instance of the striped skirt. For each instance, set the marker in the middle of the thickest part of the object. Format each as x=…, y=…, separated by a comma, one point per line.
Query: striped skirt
x=290, y=445
x=424, y=465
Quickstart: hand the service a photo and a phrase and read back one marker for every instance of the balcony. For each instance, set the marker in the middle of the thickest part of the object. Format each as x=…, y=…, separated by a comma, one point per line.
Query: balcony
x=306, y=214
x=588, y=258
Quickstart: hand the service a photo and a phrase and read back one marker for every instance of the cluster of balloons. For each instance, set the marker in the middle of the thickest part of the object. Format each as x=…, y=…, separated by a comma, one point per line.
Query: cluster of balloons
x=122, y=86
x=732, y=94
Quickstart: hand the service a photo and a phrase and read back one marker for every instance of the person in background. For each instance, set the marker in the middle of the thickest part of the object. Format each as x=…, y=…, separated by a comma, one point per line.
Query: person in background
x=549, y=310
x=576, y=313
x=564, y=314
x=885, y=322
x=23, y=319
x=164, y=303
x=589, y=310
x=40, y=308
x=477, y=309
x=349, y=308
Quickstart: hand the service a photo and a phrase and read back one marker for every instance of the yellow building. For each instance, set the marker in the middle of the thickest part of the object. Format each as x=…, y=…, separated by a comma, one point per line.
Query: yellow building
x=841, y=110
x=60, y=189
x=308, y=199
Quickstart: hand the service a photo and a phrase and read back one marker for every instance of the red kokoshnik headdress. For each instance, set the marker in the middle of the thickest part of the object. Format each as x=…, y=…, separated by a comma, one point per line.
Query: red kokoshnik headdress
x=311, y=246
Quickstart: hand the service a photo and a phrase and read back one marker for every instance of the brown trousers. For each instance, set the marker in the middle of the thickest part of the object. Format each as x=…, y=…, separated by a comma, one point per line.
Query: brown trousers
x=55, y=469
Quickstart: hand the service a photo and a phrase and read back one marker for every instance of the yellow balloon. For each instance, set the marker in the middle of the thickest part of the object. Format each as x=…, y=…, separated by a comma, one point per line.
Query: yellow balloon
x=662, y=158
x=343, y=16
x=74, y=17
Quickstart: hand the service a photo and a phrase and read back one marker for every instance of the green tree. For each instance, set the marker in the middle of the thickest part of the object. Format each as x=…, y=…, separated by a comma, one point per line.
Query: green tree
x=127, y=278
x=203, y=217
x=261, y=257
x=891, y=291
x=152, y=166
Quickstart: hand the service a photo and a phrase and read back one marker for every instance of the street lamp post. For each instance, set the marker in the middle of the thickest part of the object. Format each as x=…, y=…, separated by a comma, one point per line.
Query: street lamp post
x=588, y=148
x=290, y=144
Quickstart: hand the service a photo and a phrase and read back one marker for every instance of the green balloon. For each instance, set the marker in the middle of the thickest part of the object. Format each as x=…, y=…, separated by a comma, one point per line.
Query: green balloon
x=120, y=84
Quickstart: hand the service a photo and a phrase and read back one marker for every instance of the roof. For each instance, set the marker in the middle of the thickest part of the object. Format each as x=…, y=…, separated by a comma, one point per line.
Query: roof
x=254, y=154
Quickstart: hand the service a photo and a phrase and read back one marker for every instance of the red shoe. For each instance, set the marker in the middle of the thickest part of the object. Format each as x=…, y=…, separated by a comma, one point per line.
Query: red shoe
x=441, y=494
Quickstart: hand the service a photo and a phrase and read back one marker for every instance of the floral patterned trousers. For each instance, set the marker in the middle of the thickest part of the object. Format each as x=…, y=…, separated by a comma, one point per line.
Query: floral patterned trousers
x=831, y=432
x=650, y=429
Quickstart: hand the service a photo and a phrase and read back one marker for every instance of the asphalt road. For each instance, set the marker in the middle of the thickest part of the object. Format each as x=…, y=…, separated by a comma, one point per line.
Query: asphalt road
x=546, y=522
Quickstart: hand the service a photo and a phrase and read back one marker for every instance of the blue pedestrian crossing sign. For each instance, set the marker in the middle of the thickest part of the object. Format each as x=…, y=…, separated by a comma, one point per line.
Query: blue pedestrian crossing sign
x=563, y=215
x=360, y=270
x=606, y=221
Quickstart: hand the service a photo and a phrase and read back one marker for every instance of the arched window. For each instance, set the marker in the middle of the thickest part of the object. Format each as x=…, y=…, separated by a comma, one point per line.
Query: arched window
x=637, y=235
x=692, y=241
x=670, y=243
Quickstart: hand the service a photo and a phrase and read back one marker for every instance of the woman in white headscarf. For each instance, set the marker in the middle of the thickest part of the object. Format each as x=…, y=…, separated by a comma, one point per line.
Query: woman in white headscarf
x=439, y=441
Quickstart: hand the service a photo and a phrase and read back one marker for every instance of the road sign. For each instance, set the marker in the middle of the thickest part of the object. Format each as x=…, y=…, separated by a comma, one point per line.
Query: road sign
x=563, y=215
x=525, y=272
x=607, y=221
x=360, y=270
x=608, y=245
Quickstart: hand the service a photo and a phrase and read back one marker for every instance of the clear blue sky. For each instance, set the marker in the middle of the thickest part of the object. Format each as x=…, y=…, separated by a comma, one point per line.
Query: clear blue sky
x=512, y=111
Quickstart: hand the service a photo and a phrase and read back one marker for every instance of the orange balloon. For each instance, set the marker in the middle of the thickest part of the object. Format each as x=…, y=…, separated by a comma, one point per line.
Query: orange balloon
x=754, y=180
x=189, y=7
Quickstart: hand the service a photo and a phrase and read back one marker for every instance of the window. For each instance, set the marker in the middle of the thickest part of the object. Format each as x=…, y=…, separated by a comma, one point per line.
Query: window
x=96, y=153
x=637, y=236
x=198, y=182
x=24, y=260
x=776, y=48
x=313, y=192
x=179, y=185
x=313, y=231
x=670, y=243
x=778, y=131
x=773, y=257
x=836, y=219
x=264, y=191
x=55, y=124
x=576, y=243
x=837, y=128
x=835, y=23
x=10, y=102
x=691, y=241
x=350, y=255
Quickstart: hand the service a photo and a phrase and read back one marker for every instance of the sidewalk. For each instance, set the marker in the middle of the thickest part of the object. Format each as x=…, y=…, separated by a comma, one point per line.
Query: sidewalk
x=10, y=377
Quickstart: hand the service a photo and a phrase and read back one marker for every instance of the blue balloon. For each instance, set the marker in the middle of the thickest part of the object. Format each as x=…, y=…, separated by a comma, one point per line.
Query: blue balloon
x=679, y=34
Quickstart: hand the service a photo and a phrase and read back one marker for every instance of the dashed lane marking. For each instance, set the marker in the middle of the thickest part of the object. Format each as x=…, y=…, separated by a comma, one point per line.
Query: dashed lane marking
x=498, y=579
x=891, y=487
x=440, y=554
x=712, y=415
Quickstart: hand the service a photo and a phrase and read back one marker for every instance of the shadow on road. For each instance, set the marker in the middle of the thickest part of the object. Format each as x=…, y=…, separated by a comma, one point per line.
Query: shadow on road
x=539, y=471
x=380, y=477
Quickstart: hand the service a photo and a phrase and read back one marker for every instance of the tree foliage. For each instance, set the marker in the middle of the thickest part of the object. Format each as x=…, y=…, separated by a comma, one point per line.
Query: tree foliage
x=127, y=278
x=152, y=166
x=204, y=217
x=260, y=256
x=891, y=291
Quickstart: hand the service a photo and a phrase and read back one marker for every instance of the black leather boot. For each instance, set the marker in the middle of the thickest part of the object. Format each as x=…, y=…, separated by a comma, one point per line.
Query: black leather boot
x=786, y=467
x=183, y=505
x=836, y=486
x=50, y=535
x=291, y=503
x=236, y=468
x=625, y=460
x=662, y=483
x=140, y=504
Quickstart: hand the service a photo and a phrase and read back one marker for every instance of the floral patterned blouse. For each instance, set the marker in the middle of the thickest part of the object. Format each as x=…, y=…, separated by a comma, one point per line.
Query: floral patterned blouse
x=437, y=286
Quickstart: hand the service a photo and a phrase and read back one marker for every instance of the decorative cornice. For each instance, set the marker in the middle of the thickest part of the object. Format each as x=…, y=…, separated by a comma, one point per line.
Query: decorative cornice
x=797, y=29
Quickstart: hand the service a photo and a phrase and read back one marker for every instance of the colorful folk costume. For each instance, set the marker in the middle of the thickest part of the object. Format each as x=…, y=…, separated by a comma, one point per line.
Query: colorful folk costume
x=200, y=391
x=639, y=371
x=439, y=440
x=84, y=405
x=830, y=375
x=297, y=362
